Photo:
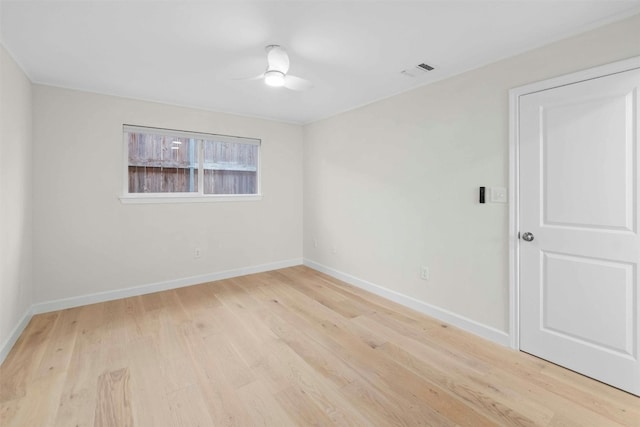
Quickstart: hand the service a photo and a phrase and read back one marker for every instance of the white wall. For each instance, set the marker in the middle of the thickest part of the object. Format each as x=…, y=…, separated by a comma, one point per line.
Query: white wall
x=16, y=188
x=387, y=188
x=393, y=185
x=87, y=241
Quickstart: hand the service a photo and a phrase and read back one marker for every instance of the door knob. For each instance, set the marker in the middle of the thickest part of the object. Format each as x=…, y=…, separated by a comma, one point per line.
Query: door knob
x=527, y=237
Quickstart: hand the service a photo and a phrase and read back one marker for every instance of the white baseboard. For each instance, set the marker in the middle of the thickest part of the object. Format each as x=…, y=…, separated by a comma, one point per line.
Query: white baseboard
x=477, y=328
x=461, y=322
x=15, y=334
x=61, y=304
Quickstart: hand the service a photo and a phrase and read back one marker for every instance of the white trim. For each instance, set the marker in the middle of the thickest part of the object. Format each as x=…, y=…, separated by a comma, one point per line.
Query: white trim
x=125, y=164
x=514, y=96
x=189, y=134
x=15, y=334
x=141, y=198
x=61, y=304
x=64, y=303
x=514, y=225
x=579, y=76
x=469, y=325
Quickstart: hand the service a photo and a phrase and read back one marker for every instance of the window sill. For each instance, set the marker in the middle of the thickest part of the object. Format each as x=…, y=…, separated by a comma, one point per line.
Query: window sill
x=187, y=198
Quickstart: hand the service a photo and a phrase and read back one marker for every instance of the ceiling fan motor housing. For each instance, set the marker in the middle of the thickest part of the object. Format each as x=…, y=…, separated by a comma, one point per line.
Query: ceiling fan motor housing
x=277, y=59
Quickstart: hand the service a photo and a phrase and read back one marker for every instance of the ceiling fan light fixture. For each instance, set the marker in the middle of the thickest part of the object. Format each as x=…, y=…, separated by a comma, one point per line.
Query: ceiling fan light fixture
x=274, y=78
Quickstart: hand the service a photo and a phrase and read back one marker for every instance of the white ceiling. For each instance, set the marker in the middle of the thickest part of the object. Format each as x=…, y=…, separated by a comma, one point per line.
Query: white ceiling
x=190, y=52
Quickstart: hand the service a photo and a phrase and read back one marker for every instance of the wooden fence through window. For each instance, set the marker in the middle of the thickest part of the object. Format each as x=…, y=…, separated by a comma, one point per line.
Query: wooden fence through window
x=166, y=164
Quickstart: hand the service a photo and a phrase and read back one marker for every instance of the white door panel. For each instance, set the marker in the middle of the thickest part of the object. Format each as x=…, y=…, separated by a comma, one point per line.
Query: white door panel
x=586, y=298
x=578, y=174
x=584, y=185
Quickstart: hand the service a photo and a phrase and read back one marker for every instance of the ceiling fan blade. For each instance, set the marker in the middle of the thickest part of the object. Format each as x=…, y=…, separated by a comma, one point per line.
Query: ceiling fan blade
x=258, y=77
x=277, y=59
x=296, y=83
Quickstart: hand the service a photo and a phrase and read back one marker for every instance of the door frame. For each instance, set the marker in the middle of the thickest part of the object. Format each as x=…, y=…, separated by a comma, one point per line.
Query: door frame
x=514, y=152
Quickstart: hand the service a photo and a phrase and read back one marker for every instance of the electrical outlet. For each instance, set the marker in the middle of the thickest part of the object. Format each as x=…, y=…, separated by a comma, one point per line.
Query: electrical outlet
x=315, y=243
x=197, y=253
x=424, y=272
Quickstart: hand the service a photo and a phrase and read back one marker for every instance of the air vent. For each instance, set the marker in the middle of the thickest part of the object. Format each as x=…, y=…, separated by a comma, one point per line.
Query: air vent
x=417, y=71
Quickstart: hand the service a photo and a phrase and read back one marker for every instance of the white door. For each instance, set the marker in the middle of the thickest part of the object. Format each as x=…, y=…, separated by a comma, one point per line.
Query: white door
x=578, y=174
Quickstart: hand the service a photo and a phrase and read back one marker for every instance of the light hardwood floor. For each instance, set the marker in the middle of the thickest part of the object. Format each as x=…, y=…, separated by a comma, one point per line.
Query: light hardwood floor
x=291, y=347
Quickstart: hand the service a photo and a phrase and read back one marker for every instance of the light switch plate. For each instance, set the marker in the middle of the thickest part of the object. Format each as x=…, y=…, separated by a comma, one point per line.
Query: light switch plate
x=498, y=195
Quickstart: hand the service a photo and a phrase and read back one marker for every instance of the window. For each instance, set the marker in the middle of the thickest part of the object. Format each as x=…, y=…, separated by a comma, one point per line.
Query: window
x=166, y=164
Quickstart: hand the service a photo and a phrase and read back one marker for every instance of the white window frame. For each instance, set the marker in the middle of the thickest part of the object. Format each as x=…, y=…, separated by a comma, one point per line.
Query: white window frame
x=191, y=197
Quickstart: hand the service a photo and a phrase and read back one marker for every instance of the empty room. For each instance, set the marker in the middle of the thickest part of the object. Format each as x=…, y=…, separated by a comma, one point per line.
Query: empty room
x=318, y=213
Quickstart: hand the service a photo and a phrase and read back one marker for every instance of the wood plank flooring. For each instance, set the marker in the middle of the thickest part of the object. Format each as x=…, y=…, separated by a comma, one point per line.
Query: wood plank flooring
x=291, y=347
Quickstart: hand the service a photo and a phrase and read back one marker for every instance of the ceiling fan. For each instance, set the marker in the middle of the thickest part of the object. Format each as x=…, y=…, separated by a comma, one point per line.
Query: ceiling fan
x=277, y=69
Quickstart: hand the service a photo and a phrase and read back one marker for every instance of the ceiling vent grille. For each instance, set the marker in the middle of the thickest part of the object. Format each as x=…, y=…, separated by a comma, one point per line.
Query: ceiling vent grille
x=417, y=71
